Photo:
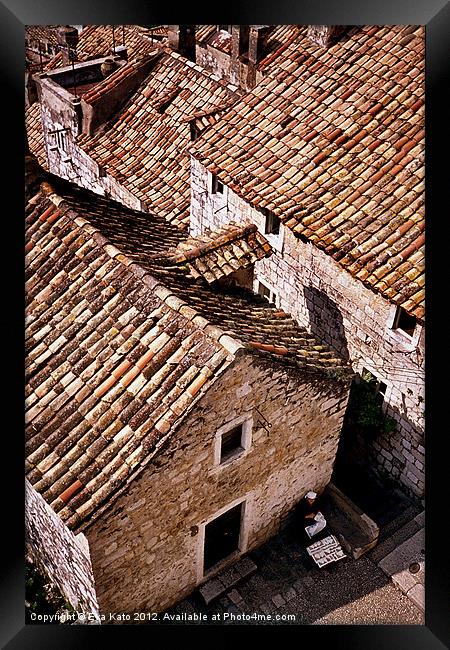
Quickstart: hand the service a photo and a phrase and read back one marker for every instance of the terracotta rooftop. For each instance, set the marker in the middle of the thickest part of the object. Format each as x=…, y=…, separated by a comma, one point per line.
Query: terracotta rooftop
x=43, y=33
x=35, y=135
x=143, y=147
x=332, y=141
x=119, y=347
x=96, y=41
x=99, y=89
x=220, y=253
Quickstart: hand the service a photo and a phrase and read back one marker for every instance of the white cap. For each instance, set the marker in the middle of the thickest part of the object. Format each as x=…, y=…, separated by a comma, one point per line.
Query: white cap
x=311, y=495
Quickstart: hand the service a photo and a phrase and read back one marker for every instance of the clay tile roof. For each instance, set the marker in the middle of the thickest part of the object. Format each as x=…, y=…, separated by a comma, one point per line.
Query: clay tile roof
x=96, y=41
x=202, y=32
x=120, y=348
x=332, y=142
x=47, y=33
x=114, y=79
x=35, y=134
x=222, y=252
x=144, y=146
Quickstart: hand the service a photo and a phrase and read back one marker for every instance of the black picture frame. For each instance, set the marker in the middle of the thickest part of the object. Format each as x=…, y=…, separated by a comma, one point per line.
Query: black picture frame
x=14, y=15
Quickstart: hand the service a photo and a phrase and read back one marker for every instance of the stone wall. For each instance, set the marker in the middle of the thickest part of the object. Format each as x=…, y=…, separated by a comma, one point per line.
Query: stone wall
x=61, y=556
x=220, y=64
x=147, y=549
x=60, y=110
x=354, y=320
x=213, y=60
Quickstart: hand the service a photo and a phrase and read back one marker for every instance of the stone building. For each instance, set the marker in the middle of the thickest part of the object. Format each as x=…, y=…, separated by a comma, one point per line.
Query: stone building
x=172, y=417
x=326, y=157
x=123, y=131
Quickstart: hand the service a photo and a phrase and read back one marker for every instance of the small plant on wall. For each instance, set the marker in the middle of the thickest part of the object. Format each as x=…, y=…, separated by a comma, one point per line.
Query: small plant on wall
x=364, y=410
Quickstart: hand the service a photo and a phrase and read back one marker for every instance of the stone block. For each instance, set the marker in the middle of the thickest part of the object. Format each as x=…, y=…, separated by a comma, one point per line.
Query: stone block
x=211, y=590
x=417, y=595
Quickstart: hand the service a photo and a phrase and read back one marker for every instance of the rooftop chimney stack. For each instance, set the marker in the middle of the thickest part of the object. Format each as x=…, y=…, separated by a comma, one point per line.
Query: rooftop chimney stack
x=325, y=35
x=182, y=39
x=239, y=46
x=257, y=38
x=67, y=37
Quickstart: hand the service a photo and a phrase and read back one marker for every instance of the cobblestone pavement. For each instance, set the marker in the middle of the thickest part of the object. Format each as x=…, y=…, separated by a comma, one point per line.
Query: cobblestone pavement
x=289, y=589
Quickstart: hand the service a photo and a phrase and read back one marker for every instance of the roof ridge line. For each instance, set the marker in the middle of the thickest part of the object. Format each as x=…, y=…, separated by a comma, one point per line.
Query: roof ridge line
x=229, y=343
x=201, y=250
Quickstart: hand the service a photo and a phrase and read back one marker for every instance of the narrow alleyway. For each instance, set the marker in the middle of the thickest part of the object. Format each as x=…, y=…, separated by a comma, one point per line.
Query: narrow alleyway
x=286, y=583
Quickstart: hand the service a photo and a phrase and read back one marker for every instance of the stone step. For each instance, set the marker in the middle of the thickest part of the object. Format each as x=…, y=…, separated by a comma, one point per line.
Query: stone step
x=405, y=565
x=398, y=522
x=399, y=535
x=227, y=579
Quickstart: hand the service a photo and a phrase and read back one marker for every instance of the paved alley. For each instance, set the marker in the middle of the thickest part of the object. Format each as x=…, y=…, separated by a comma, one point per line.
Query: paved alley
x=288, y=589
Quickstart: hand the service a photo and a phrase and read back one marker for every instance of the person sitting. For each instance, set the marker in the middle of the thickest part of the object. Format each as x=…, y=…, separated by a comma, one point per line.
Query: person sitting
x=313, y=520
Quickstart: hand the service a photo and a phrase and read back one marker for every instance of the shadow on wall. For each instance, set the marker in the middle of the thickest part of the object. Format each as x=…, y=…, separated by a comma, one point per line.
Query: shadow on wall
x=371, y=455
x=325, y=320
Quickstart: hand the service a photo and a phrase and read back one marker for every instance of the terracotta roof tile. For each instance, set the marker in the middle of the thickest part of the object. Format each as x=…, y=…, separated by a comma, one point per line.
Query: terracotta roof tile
x=35, y=135
x=155, y=167
x=353, y=124
x=218, y=253
x=123, y=350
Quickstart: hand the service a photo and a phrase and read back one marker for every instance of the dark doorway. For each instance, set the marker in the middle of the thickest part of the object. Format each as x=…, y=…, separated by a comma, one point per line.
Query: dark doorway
x=222, y=536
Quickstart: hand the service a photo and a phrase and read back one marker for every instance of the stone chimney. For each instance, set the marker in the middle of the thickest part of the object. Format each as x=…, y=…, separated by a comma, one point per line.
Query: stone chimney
x=325, y=35
x=67, y=37
x=239, y=46
x=182, y=39
x=257, y=38
x=239, y=40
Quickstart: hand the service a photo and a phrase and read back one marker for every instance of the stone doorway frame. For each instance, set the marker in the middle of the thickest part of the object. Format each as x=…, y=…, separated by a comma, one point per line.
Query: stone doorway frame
x=246, y=502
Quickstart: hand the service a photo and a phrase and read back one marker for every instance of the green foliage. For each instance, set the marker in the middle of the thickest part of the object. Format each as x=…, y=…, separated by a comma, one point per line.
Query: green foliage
x=40, y=596
x=364, y=408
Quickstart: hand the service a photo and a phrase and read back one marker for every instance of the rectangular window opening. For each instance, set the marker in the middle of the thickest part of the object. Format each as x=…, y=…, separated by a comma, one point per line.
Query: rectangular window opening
x=404, y=322
x=272, y=226
x=379, y=387
x=217, y=186
x=266, y=292
x=231, y=443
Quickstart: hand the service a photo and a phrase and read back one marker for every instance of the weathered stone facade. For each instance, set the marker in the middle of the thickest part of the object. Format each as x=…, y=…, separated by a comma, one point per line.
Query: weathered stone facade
x=62, y=118
x=355, y=321
x=147, y=549
x=61, y=555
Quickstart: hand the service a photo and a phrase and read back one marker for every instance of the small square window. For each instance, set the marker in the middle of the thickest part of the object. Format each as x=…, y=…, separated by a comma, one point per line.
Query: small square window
x=404, y=322
x=217, y=186
x=231, y=443
x=272, y=226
